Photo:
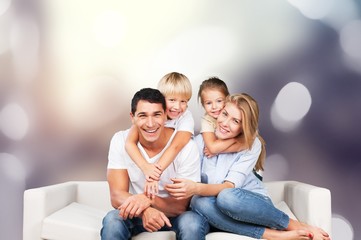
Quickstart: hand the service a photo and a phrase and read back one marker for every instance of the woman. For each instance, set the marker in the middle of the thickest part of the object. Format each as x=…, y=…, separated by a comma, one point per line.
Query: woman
x=230, y=196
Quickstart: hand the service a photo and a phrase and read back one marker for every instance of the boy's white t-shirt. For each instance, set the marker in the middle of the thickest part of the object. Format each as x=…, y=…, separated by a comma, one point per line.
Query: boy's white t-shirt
x=184, y=122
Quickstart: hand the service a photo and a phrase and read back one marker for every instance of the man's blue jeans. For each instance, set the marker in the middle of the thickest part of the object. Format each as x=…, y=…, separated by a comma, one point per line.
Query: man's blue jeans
x=240, y=211
x=187, y=226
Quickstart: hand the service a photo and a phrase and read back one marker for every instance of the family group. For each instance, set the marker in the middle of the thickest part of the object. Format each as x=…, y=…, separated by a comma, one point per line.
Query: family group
x=163, y=177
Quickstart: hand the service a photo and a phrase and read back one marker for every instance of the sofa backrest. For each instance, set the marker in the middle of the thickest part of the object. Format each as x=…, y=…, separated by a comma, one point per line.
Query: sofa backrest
x=95, y=194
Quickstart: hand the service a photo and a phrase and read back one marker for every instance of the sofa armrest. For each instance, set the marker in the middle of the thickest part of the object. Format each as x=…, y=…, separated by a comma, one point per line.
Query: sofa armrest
x=43, y=201
x=310, y=204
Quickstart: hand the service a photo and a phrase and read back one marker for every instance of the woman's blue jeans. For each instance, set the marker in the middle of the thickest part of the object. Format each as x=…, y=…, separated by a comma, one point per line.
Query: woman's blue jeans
x=187, y=226
x=240, y=211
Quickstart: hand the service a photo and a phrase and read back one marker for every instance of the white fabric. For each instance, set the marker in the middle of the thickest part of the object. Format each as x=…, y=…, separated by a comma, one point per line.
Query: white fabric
x=309, y=204
x=284, y=208
x=184, y=122
x=73, y=221
x=208, y=124
x=185, y=165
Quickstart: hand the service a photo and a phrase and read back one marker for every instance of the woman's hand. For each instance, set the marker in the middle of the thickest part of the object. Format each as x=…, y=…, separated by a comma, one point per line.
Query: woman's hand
x=181, y=188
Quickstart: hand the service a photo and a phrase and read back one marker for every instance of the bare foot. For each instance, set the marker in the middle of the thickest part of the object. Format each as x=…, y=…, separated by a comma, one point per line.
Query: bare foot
x=301, y=234
x=318, y=233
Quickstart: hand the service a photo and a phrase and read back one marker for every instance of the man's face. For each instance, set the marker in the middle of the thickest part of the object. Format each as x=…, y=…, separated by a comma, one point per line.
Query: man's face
x=149, y=119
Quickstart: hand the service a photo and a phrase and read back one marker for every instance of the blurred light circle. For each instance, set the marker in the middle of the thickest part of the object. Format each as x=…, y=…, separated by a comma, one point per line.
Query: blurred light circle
x=313, y=9
x=280, y=123
x=14, y=121
x=341, y=228
x=277, y=168
x=12, y=168
x=350, y=38
x=293, y=102
x=109, y=28
x=4, y=6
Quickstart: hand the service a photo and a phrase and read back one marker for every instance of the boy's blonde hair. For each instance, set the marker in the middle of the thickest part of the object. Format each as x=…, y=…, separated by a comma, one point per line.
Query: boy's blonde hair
x=175, y=83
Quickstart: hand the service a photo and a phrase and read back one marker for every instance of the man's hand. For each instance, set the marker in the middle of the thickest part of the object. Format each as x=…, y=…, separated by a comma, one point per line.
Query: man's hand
x=181, y=188
x=133, y=206
x=153, y=220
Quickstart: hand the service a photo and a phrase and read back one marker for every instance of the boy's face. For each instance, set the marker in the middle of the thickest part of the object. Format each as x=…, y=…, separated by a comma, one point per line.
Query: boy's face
x=149, y=119
x=176, y=105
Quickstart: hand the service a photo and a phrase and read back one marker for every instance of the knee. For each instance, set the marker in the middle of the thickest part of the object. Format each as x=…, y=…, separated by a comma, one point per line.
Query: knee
x=201, y=204
x=230, y=197
x=111, y=217
x=113, y=225
x=192, y=225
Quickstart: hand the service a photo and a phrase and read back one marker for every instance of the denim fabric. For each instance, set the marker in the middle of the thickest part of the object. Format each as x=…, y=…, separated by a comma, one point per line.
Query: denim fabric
x=187, y=226
x=240, y=211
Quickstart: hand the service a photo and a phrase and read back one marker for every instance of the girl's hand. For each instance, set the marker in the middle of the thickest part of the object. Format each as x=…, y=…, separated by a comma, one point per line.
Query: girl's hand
x=151, y=189
x=181, y=188
x=152, y=172
x=207, y=153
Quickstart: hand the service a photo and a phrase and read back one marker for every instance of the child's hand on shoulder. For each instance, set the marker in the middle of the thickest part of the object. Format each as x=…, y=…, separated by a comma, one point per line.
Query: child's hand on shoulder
x=207, y=153
x=152, y=172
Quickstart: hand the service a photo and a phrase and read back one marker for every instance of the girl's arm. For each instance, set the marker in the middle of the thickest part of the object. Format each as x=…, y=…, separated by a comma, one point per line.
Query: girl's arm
x=180, y=139
x=150, y=171
x=184, y=188
x=216, y=146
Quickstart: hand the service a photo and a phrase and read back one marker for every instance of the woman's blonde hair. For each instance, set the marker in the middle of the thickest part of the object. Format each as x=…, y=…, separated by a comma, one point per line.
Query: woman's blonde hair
x=250, y=113
x=175, y=83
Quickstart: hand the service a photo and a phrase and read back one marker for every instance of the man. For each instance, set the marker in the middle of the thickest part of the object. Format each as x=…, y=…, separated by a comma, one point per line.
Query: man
x=135, y=212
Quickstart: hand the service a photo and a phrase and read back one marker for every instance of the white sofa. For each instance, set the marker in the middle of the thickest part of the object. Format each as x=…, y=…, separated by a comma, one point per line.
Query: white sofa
x=74, y=210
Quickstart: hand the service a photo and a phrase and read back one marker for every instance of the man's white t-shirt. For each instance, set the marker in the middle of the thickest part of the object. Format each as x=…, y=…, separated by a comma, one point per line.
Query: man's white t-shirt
x=185, y=165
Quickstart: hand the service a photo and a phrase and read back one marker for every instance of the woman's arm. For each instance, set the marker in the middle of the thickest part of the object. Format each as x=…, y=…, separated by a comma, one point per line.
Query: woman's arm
x=184, y=188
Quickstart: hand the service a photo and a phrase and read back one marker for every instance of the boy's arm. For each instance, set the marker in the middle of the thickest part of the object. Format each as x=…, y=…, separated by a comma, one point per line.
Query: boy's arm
x=180, y=139
x=148, y=169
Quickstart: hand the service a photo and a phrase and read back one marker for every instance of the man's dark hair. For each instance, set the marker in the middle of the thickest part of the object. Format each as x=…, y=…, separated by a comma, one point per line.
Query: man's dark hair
x=148, y=94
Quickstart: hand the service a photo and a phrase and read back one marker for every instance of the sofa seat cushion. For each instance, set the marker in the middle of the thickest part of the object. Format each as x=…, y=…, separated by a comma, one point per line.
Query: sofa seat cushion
x=79, y=221
x=284, y=208
x=75, y=221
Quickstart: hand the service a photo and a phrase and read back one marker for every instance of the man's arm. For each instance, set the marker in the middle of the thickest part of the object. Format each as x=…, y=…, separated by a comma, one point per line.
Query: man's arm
x=129, y=205
x=170, y=206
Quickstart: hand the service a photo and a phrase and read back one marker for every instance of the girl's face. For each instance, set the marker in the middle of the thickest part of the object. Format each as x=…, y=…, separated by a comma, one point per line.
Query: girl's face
x=229, y=122
x=176, y=106
x=213, y=102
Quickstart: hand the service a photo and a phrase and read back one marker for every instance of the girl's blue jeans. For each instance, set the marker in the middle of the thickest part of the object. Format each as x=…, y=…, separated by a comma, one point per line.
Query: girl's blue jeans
x=240, y=211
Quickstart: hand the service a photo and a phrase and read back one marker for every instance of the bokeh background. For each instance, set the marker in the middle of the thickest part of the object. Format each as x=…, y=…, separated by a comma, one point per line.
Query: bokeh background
x=68, y=70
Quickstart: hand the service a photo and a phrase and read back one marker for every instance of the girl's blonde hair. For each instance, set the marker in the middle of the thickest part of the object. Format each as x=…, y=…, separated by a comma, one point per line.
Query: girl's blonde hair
x=250, y=113
x=175, y=83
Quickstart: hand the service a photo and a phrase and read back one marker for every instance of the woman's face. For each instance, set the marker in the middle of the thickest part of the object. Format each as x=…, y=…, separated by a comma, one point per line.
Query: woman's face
x=229, y=122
